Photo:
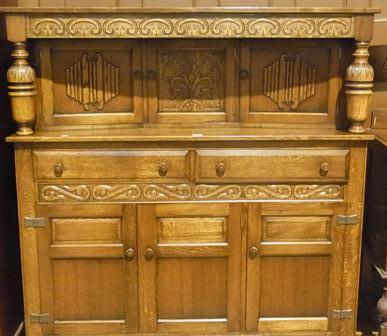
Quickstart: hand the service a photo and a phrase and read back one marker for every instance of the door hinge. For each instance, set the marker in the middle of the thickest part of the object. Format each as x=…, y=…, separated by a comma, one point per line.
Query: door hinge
x=34, y=222
x=347, y=219
x=342, y=314
x=40, y=318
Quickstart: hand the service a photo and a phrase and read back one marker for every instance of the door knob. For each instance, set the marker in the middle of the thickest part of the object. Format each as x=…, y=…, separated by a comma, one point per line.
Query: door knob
x=149, y=254
x=129, y=254
x=253, y=252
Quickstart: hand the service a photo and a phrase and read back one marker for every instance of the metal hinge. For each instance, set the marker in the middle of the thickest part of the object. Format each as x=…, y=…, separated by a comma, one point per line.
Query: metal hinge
x=342, y=314
x=347, y=219
x=40, y=318
x=34, y=222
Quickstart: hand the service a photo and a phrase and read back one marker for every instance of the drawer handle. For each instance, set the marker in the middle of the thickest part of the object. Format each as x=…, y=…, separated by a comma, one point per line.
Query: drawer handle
x=58, y=170
x=151, y=75
x=163, y=169
x=149, y=254
x=324, y=169
x=253, y=252
x=244, y=75
x=129, y=254
x=220, y=169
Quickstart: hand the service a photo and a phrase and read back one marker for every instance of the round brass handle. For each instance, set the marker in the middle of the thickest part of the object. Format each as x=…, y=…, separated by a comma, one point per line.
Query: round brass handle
x=149, y=254
x=244, y=74
x=58, y=170
x=129, y=254
x=324, y=169
x=220, y=169
x=253, y=252
x=151, y=75
x=163, y=169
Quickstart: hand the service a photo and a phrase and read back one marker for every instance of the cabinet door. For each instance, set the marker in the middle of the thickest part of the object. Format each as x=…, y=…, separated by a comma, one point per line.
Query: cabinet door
x=189, y=267
x=294, y=267
x=191, y=81
x=88, y=269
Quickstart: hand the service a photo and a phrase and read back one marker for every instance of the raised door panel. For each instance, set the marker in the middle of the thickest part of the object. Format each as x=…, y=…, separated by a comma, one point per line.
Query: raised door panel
x=189, y=267
x=289, y=81
x=90, y=83
x=294, y=267
x=88, y=268
x=190, y=81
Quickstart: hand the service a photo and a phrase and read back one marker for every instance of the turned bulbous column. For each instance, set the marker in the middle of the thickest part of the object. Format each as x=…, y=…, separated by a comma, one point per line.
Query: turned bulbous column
x=359, y=84
x=22, y=90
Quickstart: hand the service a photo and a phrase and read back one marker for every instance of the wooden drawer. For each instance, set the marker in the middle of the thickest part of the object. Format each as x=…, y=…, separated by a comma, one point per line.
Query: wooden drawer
x=271, y=164
x=110, y=164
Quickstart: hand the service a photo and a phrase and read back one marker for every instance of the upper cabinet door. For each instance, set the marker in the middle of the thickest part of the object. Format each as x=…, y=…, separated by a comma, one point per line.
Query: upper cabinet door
x=88, y=269
x=294, y=267
x=289, y=82
x=91, y=83
x=189, y=268
x=191, y=81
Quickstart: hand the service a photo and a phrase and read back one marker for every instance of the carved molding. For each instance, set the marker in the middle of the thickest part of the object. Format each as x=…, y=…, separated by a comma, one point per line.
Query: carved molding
x=205, y=26
x=185, y=192
x=92, y=81
x=289, y=81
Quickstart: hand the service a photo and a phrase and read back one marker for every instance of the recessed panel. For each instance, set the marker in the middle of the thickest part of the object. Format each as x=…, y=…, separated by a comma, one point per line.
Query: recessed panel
x=192, y=229
x=296, y=228
x=190, y=288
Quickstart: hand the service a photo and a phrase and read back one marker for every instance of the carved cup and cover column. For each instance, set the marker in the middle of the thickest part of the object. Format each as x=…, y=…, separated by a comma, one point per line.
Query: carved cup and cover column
x=151, y=175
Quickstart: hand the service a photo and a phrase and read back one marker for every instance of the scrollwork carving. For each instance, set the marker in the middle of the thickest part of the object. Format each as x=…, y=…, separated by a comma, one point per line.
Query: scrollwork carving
x=259, y=192
x=317, y=191
x=164, y=192
x=52, y=193
x=229, y=192
x=120, y=193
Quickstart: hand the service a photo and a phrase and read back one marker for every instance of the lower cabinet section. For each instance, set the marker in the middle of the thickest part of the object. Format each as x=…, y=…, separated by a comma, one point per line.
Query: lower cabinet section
x=197, y=268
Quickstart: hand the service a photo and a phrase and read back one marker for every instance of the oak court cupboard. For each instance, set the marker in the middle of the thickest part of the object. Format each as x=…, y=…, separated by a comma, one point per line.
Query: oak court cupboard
x=191, y=171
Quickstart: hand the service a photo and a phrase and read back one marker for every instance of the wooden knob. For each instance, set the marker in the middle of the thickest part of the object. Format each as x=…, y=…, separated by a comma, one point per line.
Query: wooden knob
x=149, y=254
x=244, y=74
x=151, y=75
x=324, y=169
x=58, y=170
x=220, y=169
x=129, y=254
x=163, y=169
x=253, y=252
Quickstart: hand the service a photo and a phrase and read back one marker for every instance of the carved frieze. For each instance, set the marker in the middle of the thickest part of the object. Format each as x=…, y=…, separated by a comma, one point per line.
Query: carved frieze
x=175, y=26
x=137, y=193
x=92, y=81
x=191, y=80
x=289, y=81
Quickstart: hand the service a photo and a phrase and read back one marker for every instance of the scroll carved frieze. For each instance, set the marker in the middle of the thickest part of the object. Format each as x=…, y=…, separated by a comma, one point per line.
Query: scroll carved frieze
x=191, y=80
x=138, y=193
x=92, y=81
x=289, y=81
x=205, y=26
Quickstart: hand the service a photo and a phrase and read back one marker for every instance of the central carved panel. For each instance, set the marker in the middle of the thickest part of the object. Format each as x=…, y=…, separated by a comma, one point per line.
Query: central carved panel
x=191, y=80
x=289, y=81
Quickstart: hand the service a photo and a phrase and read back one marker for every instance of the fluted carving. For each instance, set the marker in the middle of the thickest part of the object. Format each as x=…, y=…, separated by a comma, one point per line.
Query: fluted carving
x=359, y=77
x=22, y=90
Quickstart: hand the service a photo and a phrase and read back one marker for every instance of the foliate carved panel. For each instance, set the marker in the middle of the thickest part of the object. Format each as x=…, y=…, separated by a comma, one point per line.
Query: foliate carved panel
x=137, y=193
x=92, y=81
x=289, y=81
x=191, y=80
x=172, y=26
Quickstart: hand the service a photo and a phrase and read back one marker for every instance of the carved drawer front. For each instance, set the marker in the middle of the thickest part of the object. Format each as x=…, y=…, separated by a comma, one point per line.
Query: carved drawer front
x=191, y=81
x=271, y=164
x=91, y=82
x=110, y=164
x=289, y=82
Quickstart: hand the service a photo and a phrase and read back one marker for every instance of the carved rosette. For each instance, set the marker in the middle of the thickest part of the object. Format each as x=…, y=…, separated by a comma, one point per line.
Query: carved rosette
x=137, y=193
x=359, y=84
x=22, y=90
x=183, y=26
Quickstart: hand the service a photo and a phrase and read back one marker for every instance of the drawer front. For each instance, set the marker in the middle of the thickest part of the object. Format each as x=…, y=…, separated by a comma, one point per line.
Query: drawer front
x=271, y=164
x=110, y=164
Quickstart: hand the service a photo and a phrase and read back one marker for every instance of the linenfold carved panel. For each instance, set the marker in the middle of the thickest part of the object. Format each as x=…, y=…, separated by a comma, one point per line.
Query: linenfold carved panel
x=92, y=81
x=191, y=80
x=127, y=193
x=289, y=81
x=173, y=26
